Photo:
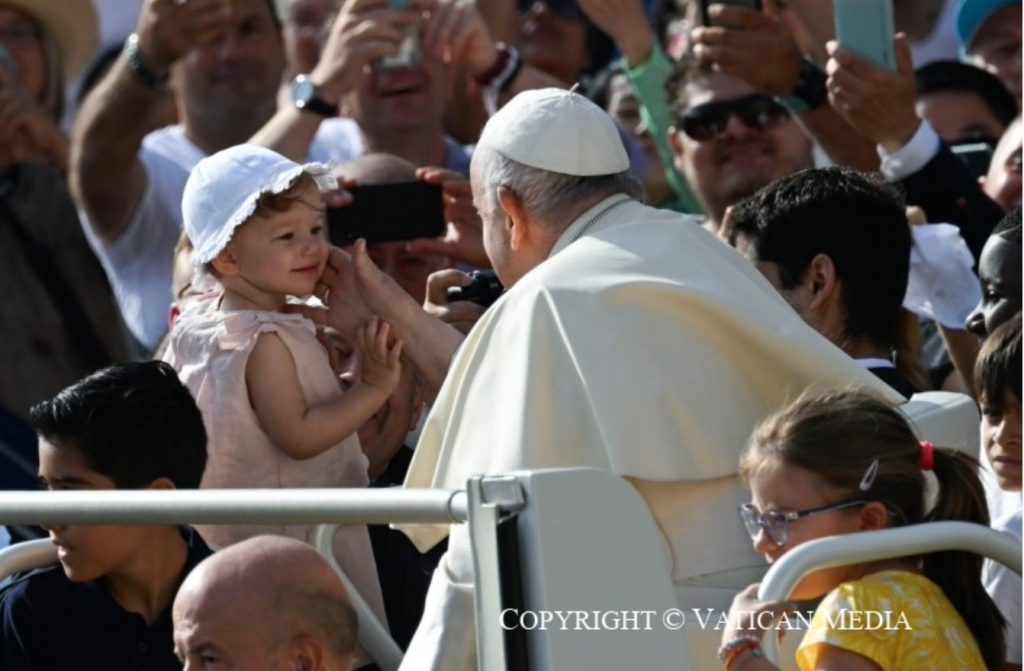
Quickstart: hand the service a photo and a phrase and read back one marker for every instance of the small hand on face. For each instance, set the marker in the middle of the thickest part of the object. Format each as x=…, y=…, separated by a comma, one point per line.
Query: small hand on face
x=380, y=362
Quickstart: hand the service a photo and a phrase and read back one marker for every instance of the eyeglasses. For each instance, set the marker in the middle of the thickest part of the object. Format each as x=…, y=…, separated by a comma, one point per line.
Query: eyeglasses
x=567, y=9
x=707, y=121
x=776, y=524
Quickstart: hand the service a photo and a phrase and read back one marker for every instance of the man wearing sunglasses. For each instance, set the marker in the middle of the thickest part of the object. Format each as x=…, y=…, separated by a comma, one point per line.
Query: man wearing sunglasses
x=729, y=140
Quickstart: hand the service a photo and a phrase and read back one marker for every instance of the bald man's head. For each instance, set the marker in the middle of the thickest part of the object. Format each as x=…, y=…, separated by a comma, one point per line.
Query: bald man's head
x=263, y=604
x=378, y=168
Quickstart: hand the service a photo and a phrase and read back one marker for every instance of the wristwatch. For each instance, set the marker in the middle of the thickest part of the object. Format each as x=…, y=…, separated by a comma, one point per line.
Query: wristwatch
x=140, y=67
x=306, y=98
x=810, y=91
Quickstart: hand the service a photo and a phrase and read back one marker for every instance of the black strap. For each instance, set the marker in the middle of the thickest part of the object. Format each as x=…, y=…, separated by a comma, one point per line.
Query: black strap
x=77, y=327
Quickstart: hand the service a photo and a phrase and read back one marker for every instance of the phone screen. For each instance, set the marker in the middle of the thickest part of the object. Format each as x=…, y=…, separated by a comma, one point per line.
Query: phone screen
x=865, y=27
x=977, y=156
x=388, y=212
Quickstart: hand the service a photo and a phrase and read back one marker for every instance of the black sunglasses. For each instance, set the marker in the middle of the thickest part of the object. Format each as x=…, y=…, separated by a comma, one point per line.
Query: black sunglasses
x=567, y=9
x=707, y=121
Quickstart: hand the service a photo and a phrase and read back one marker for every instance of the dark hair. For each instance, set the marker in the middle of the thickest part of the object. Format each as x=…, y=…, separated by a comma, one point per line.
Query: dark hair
x=940, y=76
x=599, y=87
x=998, y=368
x=132, y=422
x=687, y=69
x=856, y=219
x=1008, y=227
x=837, y=436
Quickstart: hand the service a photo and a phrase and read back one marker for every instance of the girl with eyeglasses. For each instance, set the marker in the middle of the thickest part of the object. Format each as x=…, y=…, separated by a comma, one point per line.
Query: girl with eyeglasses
x=844, y=462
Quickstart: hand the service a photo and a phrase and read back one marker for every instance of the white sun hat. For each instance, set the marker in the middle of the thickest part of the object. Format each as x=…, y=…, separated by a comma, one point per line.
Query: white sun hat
x=223, y=189
x=559, y=131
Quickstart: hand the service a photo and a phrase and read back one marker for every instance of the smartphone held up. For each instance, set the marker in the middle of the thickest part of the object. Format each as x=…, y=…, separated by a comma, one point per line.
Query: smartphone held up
x=388, y=213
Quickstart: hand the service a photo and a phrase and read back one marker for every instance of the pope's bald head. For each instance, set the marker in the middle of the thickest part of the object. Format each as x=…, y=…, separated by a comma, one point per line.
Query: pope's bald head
x=278, y=590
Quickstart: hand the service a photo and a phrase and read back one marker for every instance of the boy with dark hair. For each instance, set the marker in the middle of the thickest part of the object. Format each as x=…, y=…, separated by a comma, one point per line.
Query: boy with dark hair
x=836, y=244
x=963, y=103
x=129, y=426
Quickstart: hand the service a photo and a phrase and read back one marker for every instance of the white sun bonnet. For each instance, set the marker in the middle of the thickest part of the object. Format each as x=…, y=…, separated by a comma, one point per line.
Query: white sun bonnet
x=223, y=189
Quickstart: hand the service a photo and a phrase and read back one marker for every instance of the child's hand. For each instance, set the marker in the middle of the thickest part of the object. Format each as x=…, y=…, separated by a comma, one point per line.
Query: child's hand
x=381, y=368
x=750, y=617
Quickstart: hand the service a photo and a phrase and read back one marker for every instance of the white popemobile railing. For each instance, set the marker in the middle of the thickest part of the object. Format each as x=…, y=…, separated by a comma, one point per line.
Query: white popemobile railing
x=585, y=541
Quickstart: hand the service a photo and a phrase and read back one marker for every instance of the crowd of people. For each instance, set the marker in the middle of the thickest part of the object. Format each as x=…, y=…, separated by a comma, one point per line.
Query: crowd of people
x=728, y=245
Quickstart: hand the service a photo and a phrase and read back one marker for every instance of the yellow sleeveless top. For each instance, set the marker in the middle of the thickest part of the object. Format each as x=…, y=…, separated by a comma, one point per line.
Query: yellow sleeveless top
x=901, y=621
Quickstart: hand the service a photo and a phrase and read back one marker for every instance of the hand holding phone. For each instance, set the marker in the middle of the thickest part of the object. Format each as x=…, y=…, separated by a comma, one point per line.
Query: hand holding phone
x=865, y=27
x=388, y=212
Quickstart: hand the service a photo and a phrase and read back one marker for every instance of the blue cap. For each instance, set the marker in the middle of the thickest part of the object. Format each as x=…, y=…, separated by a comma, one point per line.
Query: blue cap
x=970, y=14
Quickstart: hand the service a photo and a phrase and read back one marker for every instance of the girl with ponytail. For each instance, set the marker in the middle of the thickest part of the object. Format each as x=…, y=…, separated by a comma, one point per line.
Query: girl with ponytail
x=844, y=462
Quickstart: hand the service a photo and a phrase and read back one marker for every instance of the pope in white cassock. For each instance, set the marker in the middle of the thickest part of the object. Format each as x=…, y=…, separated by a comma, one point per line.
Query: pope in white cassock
x=629, y=339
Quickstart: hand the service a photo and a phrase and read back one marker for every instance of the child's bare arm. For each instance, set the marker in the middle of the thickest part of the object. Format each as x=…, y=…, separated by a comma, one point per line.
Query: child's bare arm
x=304, y=431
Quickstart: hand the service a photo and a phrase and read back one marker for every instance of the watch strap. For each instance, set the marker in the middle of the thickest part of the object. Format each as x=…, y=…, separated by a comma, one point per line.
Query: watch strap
x=140, y=67
x=313, y=103
x=810, y=91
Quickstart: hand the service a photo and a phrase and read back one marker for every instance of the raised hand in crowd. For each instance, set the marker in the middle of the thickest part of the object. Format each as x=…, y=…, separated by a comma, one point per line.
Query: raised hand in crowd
x=464, y=239
x=168, y=29
x=760, y=47
x=27, y=132
x=460, y=315
x=364, y=31
x=625, y=21
x=876, y=101
x=756, y=47
x=457, y=35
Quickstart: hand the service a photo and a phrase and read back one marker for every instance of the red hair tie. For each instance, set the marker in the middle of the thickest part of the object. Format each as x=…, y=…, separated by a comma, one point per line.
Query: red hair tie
x=927, y=455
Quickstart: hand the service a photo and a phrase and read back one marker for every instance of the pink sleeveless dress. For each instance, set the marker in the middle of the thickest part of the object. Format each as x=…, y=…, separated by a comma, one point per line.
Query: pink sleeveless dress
x=209, y=349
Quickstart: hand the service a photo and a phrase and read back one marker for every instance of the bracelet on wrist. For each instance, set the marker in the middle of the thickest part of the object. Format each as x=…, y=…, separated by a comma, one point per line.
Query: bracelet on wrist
x=735, y=647
x=504, y=70
x=140, y=66
x=741, y=658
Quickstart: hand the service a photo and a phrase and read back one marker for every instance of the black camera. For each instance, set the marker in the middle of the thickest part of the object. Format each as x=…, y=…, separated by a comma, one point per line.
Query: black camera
x=483, y=290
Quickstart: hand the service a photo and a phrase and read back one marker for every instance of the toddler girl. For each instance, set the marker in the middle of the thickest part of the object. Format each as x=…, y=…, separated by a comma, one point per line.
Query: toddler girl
x=274, y=410
x=846, y=462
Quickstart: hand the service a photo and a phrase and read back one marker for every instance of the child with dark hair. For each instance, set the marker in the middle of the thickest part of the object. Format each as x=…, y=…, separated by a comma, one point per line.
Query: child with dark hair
x=845, y=462
x=130, y=426
x=997, y=379
x=999, y=269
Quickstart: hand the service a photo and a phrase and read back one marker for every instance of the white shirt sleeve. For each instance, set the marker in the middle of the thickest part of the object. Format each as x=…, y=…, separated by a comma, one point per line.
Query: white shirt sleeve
x=912, y=156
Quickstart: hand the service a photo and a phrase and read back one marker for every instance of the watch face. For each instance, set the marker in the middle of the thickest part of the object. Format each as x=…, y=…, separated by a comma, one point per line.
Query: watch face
x=302, y=91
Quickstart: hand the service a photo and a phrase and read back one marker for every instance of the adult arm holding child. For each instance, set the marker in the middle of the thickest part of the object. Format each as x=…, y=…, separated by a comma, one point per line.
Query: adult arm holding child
x=304, y=431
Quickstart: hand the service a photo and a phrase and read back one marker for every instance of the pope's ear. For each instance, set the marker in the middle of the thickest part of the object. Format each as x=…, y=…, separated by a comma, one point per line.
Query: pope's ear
x=226, y=263
x=516, y=218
